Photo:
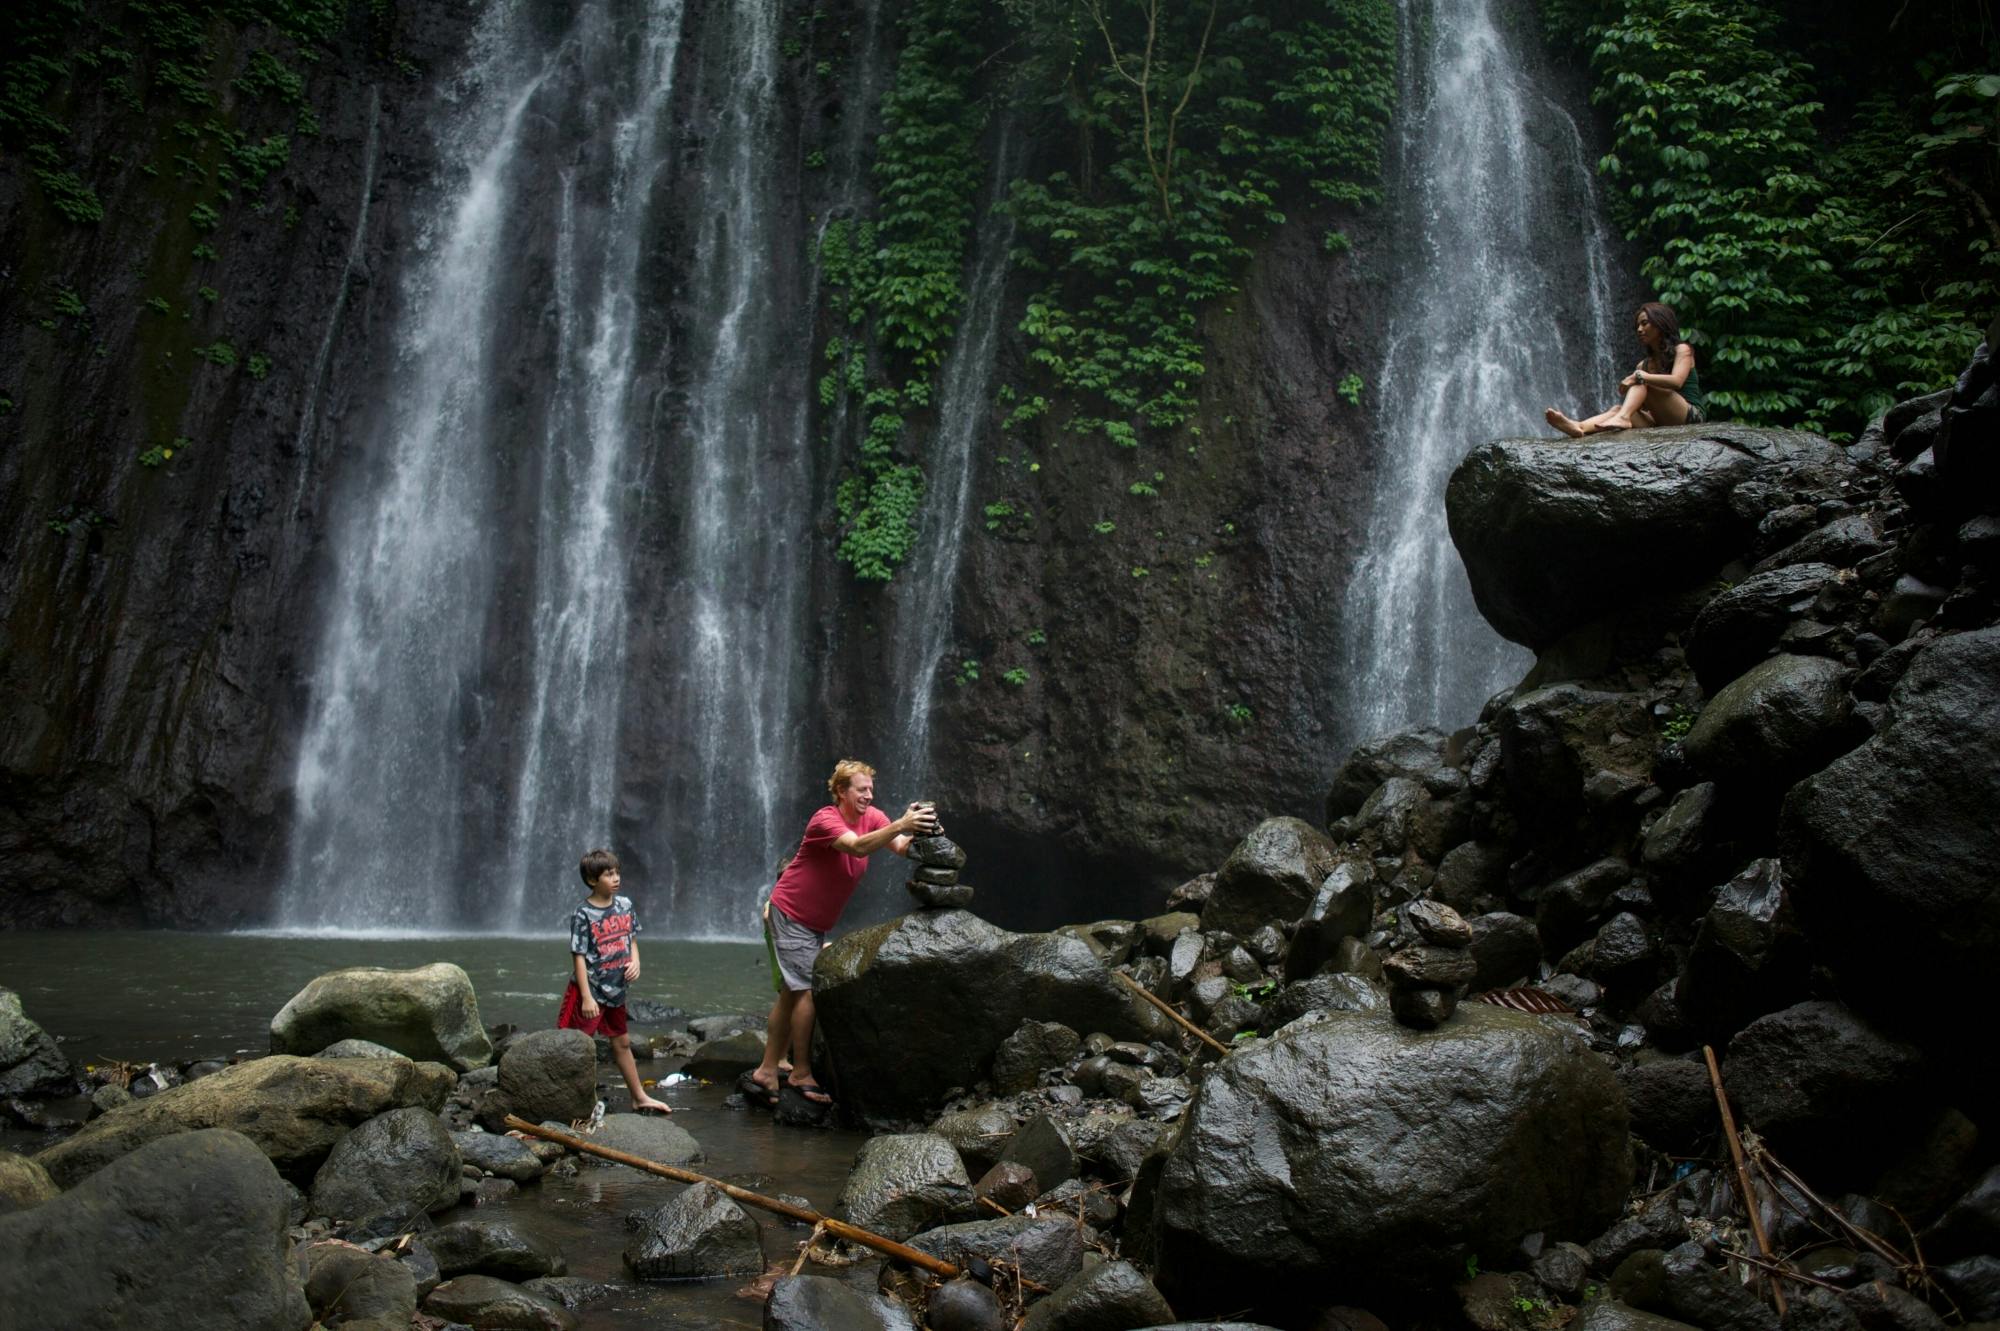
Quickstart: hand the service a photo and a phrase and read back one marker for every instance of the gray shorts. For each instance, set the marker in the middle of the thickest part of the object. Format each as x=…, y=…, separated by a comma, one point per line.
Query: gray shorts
x=792, y=949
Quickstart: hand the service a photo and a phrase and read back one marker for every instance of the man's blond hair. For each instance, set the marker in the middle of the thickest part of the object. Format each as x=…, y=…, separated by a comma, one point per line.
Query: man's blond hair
x=844, y=773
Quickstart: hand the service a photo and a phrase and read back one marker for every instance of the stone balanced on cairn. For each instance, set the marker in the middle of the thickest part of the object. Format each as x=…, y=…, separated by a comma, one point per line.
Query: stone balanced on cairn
x=934, y=882
x=1427, y=978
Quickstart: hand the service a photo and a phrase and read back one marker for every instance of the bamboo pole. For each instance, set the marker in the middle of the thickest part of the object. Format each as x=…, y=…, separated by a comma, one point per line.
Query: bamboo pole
x=837, y=1228
x=1168, y=1008
x=1743, y=1175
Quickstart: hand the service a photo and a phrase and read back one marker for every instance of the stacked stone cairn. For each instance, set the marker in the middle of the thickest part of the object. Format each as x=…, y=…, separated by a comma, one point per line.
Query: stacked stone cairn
x=1429, y=974
x=934, y=882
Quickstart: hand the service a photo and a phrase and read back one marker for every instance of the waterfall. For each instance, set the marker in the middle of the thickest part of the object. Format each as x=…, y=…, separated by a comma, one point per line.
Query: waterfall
x=927, y=587
x=736, y=595
x=1501, y=307
x=487, y=469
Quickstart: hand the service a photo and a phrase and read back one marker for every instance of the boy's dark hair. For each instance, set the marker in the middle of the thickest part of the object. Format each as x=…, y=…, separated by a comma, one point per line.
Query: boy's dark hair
x=596, y=863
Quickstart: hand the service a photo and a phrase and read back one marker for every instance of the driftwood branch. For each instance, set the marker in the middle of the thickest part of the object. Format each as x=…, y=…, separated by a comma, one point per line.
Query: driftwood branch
x=1168, y=1008
x=1742, y=1174
x=838, y=1228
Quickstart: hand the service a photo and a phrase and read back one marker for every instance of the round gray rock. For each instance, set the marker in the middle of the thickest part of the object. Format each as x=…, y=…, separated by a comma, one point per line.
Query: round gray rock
x=429, y=1013
x=497, y=1153
x=657, y=1139
x=550, y=1076
x=187, y=1231
x=402, y=1162
x=699, y=1234
x=1272, y=874
x=23, y=1183
x=1350, y=1143
x=492, y=1248
x=1110, y=1294
x=819, y=1303
x=346, y=1285
x=906, y=1182
x=496, y=1305
x=1779, y=720
x=31, y=1063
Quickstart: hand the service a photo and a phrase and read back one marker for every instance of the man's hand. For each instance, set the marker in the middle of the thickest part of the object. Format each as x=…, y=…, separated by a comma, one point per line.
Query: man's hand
x=919, y=819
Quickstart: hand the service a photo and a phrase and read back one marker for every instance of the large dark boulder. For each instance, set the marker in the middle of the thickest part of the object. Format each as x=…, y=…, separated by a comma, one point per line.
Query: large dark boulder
x=294, y=1109
x=918, y=1005
x=428, y=1013
x=188, y=1231
x=1351, y=1144
x=1749, y=955
x=1555, y=536
x=1891, y=854
x=489, y=1303
x=700, y=1233
x=1048, y=1249
x=1110, y=1296
x=1814, y=1079
x=492, y=1248
x=821, y=1303
x=1776, y=722
x=348, y=1286
x=31, y=1063
x=1555, y=739
x=1271, y=875
x=402, y=1163
x=549, y=1076
x=905, y=1182
x=1421, y=754
x=1742, y=626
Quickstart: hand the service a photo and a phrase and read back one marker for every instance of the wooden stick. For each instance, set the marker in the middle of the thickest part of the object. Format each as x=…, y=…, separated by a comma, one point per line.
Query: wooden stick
x=1168, y=1008
x=1742, y=1174
x=837, y=1228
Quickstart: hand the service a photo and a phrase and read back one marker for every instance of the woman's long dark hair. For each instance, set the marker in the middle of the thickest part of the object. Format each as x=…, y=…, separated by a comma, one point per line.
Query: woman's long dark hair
x=1663, y=318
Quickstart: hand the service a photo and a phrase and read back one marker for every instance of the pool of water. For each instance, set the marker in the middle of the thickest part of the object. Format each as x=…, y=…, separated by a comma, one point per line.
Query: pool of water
x=170, y=997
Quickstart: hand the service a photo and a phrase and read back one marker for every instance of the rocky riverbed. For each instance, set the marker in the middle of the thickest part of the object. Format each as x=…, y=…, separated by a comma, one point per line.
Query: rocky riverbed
x=1734, y=827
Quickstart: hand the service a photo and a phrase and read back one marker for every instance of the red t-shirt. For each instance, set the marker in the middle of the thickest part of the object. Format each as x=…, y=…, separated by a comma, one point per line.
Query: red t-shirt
x=816, y=885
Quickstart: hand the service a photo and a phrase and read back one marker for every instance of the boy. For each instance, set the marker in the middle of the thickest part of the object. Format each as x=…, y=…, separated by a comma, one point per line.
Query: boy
x=604, y=949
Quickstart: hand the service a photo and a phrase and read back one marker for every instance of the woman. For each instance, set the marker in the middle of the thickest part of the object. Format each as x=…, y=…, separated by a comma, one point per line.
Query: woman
x=812, y=891
x=1664, y=390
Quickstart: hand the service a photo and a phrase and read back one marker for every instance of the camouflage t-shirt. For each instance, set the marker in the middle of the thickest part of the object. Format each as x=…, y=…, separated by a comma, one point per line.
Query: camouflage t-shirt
x=602, y=936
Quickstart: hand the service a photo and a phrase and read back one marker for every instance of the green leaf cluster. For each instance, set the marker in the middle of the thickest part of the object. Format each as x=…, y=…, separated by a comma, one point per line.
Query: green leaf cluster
x=1827, y=236
x=1192, y=126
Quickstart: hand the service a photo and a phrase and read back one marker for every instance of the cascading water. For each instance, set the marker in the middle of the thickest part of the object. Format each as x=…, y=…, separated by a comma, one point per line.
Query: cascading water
x=1501, y=307
x=410, y=769
x=743, y=467
x=928, y=585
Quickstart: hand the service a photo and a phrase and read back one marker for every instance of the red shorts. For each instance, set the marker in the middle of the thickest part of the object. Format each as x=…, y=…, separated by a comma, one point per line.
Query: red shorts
x=608, y=1021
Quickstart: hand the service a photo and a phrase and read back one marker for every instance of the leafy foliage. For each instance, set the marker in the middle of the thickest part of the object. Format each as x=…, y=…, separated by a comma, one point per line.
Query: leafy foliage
x=1823, y=261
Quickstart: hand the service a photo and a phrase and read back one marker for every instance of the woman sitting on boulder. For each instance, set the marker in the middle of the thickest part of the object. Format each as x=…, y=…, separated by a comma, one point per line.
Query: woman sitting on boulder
x=1664, y=390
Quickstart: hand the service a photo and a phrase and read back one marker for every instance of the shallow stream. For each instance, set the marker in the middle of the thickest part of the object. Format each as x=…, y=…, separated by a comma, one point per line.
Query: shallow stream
x=166, y=997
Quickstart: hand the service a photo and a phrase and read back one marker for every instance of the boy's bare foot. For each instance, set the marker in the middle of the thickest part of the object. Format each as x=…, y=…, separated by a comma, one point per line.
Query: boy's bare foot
x=1565, y=424
x=646, y=1104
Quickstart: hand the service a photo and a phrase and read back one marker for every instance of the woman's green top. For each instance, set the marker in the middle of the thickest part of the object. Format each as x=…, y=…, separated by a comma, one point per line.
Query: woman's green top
x=1691, y=390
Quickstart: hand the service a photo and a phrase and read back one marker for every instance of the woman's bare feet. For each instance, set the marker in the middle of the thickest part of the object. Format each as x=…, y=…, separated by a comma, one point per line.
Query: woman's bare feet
x=1614, y=425
x=1565, y=424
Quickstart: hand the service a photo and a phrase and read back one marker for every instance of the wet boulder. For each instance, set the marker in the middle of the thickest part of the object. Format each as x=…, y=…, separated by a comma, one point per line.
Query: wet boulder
x=1815, y=1078
x=545, y=1076
x=698, y=1234
x=1742, y=626
x=1681, y=1284
x=31, y=1063
x=186, y=1231
x=820, y=1303
x=1049, y=1249
x=1273, y=874
x=346, y=1285
x=658, y=1139
x=906, y=1182
x=1891, y=853
x=1554, y=740
x=1110, y=1294
x=978, y=1134
x=1673, y=1105
x=484, y=1301
x=1043, y=1148
x=491, y=1248
x=1749, y=955
x=1351, y=1143
x=1420, y=754
x=1781, y=719
x=1342, y=907
x=429, y=1014
x=497, y=1153
x=23, y=1183
x=1551, y=534
x=294, y=1109
x=402, y=1163
x=917, y=1006
x=1033, y=1048
x=1505, y=949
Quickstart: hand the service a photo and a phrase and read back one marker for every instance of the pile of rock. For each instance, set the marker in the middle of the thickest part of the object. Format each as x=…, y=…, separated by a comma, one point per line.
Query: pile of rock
x=1429, y=976
x=934, y=882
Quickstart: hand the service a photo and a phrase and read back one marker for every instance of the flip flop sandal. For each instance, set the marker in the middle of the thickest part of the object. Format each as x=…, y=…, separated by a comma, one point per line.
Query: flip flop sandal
x=812, y=1091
